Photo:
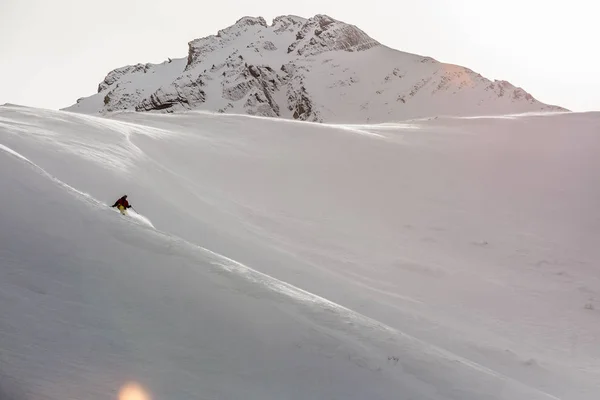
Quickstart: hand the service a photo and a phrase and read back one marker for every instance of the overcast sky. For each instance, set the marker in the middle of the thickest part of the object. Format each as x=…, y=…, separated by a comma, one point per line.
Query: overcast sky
x=54, y=51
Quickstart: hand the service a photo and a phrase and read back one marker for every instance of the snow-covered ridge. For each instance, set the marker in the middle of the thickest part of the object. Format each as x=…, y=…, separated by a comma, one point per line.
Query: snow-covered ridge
x=441, y=259
x=317, y=69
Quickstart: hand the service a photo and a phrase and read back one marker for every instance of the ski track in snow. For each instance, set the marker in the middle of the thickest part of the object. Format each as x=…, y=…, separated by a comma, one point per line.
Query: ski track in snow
x=53, y=178
x=352, y=316
x=291, y=291
x=87, y=197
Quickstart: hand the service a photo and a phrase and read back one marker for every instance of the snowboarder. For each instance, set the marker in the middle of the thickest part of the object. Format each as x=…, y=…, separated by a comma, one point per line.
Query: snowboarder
x=122, y=204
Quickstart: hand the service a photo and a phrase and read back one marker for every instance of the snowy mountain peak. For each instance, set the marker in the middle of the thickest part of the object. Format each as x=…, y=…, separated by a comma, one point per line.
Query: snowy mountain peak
x=242, y=26
x=287, y=23
x=250, y=21
x=317, y=69
x=322, y=33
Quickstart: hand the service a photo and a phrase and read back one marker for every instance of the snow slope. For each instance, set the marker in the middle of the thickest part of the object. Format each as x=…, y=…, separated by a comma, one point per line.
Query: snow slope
x=444, y=258
x=318, y=69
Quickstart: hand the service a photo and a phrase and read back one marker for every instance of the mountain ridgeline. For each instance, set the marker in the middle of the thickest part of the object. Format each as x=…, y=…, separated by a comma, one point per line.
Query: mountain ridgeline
x=318, y=69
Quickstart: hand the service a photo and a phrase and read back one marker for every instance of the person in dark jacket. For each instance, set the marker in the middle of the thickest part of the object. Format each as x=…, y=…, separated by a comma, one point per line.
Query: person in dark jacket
x=122, y=204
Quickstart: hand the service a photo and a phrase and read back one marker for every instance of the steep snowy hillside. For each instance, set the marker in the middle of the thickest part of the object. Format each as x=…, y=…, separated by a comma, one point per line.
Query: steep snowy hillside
x=451, y=258
x=316, y=69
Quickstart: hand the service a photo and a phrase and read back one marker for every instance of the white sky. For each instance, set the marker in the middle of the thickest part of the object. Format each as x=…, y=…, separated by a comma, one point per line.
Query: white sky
x=55, y=51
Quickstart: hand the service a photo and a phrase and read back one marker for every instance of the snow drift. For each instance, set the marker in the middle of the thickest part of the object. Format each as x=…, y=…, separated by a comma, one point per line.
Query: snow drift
x=447, y=258
x=318, y=69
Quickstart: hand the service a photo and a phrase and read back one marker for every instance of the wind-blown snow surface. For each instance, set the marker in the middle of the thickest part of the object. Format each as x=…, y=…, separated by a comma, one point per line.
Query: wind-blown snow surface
x=434, y=259
x=317, y=69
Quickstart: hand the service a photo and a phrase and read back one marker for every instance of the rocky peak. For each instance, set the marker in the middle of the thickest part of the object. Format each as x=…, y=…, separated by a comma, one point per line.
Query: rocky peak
x=289, y=23
x=323, y=33
x=199, y=48
x=241, y=26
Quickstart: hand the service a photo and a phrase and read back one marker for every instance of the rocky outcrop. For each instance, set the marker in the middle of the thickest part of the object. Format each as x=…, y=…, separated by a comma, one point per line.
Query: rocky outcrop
x=184, y=94
x=118, y=73
x=288, y=23
x=256, y=84
x=322, y=33
x=200, y=49
x=302, y=106
x=299, y=101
